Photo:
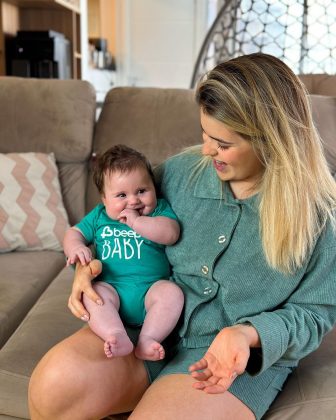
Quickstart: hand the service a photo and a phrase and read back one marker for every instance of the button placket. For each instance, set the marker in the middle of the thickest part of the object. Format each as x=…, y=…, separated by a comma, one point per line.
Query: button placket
x=207, y=291
x=205, y=269
x=221, y=239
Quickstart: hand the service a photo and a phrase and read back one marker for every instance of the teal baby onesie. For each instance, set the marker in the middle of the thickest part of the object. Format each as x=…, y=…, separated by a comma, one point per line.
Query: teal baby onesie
x=131, y=263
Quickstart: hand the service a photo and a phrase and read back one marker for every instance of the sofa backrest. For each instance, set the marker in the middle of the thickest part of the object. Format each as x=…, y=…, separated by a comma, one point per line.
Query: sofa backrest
x=51, y=116
x=59, y=116
x=158, y=122
x=161, y=122
x=322, y=90
x=319, y=84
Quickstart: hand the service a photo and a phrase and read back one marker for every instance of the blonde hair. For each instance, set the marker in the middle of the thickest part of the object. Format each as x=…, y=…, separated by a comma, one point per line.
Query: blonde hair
x=260, y=98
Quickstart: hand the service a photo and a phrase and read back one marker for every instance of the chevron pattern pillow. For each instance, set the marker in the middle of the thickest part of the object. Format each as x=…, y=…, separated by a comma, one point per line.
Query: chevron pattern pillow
x=32, y=214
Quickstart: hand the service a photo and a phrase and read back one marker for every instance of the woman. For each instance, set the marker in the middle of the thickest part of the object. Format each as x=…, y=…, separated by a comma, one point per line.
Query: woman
x=256, y=261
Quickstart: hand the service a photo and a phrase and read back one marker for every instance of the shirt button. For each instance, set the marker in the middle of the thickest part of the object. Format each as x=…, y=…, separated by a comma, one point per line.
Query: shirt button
x=221, y=239
x=207, y=291
x=205, y=269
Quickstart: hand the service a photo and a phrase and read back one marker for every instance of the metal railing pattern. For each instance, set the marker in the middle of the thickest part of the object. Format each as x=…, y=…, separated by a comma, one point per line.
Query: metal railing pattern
x=302, y=33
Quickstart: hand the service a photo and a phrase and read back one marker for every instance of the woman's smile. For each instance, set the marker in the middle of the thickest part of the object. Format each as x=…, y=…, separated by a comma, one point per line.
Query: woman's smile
x=219, y=165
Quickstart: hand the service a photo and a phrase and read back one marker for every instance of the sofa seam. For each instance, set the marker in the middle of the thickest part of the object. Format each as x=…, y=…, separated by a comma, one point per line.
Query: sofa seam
x=17, y=375
x=29, y=314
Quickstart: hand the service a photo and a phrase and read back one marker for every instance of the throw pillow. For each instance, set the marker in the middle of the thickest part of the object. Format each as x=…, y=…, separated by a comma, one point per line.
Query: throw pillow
x=32, y=215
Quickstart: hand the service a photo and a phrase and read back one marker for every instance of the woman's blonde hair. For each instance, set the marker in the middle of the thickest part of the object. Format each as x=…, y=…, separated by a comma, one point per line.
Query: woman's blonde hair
x=260, y=98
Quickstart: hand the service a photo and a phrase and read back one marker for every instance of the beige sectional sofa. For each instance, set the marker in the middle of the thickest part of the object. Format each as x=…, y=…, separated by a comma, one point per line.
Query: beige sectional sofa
x=59, y=116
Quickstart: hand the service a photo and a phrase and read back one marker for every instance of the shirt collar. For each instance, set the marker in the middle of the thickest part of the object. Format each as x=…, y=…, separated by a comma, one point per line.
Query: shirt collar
x=208, y=185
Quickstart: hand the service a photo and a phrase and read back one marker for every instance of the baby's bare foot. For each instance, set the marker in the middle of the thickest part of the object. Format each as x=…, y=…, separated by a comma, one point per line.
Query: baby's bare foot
x=118, y=344
x=149, y=349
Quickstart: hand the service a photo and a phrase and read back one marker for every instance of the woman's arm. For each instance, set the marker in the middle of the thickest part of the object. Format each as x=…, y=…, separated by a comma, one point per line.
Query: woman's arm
x=288, y=333
x=296, y=329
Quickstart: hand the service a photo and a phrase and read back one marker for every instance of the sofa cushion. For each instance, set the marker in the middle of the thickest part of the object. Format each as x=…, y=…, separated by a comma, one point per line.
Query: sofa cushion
x=73, y=179
x=51, y=116
x=324, y=111
x=48, y=322
x=310, y=392
x=47, y=116
x=24, y=276
x=164, y=122
x=32, y=215
x=319, y=84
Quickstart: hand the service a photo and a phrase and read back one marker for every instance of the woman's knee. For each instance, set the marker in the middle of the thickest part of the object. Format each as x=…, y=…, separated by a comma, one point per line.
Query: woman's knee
x=54, y=383
x=75, y=380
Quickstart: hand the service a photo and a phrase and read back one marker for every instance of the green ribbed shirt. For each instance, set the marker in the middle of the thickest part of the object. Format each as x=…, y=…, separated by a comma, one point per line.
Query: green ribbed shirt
x=221, y=267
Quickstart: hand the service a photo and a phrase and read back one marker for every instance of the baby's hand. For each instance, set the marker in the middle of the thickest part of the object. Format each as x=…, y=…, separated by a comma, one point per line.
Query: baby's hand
x=128, y=216
x=80, y=253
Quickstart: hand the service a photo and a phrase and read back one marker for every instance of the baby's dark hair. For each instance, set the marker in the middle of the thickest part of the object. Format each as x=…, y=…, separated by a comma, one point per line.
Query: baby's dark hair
x=119, y=158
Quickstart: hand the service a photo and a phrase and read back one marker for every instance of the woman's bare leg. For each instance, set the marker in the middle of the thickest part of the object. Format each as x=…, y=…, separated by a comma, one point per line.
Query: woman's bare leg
x=75, y=380
x=172, y=397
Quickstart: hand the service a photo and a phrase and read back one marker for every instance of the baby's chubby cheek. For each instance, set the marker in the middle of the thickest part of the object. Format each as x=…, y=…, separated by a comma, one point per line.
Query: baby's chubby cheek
x=112, y=214
x=146, y=210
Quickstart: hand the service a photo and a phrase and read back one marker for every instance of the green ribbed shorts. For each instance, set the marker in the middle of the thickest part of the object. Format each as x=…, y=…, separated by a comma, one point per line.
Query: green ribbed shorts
x=256, y=392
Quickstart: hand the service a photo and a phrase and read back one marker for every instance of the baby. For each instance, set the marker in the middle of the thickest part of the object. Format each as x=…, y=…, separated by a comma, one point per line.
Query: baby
x=129, y=229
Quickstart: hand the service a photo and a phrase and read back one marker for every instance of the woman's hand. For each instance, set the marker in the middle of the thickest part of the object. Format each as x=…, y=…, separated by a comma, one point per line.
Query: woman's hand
x=82, y=284
x=226, y=358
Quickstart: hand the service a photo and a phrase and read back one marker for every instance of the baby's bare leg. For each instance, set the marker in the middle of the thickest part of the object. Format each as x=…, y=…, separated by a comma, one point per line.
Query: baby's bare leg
x=164, y=302
x=106, y=323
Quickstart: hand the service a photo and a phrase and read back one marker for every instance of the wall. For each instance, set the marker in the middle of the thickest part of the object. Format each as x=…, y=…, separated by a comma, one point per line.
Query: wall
x=84, y=39
x=158, y=41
